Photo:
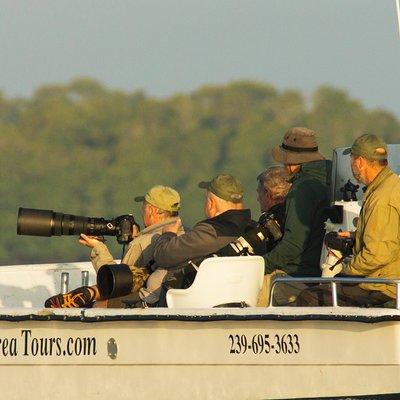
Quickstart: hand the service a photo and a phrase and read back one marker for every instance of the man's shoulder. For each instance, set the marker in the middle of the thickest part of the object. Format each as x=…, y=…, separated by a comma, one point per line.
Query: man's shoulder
x=229, y=223
x=381, y=201
x=389, y=189
x=392, y=188
x=392, y=181
x=303, y=186
x=148, y=233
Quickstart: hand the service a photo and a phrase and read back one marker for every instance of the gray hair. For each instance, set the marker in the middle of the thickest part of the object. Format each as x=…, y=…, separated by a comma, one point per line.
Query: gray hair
x=275, y=180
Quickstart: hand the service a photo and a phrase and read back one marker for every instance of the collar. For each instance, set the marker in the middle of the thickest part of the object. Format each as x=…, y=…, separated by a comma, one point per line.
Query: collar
x=276, y=208
x=242, y=213
x=156, y=227
x=379, y=179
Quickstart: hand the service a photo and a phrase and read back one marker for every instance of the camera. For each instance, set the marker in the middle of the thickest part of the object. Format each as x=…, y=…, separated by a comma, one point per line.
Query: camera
x=257, y=240
x=36, y=222
x=342, y=244
x=349, y=191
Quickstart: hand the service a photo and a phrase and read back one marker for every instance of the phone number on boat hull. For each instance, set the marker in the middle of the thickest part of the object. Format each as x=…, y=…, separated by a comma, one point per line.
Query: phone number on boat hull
x=264, y=343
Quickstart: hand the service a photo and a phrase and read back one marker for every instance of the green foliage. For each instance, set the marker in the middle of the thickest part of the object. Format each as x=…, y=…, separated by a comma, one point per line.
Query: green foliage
x=84, y=149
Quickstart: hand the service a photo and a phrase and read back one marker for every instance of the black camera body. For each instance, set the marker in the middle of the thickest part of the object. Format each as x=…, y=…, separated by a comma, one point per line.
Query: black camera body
x=343, y=244
x=255, y=241
x=36, y=222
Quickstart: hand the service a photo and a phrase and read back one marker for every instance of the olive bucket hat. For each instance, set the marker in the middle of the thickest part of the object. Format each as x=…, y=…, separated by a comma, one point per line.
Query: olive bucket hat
x=162, y=197
x=226, y=187
x=299, y=146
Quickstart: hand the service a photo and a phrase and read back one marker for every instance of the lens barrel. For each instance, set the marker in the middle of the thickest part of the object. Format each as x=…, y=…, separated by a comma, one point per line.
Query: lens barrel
x=114, y=280
x=36, y=222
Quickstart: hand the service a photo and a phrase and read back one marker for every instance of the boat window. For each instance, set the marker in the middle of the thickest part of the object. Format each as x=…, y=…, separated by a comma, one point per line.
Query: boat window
x=341, y=172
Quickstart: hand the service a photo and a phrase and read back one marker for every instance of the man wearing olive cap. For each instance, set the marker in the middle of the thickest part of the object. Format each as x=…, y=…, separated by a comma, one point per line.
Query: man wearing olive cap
x=160, y=207
x=377, y=238
x=226, y=221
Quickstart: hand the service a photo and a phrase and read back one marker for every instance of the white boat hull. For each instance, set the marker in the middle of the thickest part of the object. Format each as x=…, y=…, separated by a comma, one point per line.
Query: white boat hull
x=226, y=354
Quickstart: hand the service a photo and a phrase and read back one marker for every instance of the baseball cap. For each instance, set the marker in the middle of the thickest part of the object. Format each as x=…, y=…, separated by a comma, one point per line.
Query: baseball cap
x=369, y=146
x=162, y=197
x=225, y=187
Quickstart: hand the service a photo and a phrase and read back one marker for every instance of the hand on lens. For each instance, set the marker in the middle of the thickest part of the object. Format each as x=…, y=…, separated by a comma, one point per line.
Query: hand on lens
x=89, y=241
x=174, y=228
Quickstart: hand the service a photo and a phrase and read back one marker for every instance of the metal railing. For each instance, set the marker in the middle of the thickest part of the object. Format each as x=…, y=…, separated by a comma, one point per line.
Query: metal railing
x=333, y=283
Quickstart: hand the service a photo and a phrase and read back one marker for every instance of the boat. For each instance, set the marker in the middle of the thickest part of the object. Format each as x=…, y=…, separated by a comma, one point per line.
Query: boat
x=274, y=352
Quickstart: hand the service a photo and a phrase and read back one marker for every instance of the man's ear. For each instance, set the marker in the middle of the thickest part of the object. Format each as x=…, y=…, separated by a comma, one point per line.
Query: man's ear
x=212, y=201
x=153, y=210
x=360, y=162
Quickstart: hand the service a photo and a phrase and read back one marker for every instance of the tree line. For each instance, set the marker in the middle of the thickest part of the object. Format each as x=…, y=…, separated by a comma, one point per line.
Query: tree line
x=82, y=148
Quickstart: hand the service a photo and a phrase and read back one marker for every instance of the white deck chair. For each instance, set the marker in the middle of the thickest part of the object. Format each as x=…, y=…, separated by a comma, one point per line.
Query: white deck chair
x=221, y=280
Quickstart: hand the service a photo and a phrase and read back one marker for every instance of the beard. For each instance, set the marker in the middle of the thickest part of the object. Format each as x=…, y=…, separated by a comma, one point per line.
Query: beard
x=357, y=174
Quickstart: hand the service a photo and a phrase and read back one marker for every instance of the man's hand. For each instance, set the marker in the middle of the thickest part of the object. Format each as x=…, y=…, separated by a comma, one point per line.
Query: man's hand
x=331, y=267
x=89, y=241
x=345, y=234
x=329, y=271
x=174, y=228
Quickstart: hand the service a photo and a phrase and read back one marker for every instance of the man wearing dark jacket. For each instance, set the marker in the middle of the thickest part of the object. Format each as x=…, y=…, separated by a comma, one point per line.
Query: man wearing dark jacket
x=226, y=220
x=298, y=253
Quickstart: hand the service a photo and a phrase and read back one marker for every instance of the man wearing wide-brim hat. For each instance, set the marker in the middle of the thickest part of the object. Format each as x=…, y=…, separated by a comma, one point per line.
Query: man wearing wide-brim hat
x=298, y=253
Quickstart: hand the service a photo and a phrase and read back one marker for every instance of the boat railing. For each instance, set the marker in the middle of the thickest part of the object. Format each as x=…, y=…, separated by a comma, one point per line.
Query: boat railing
x=333, y=284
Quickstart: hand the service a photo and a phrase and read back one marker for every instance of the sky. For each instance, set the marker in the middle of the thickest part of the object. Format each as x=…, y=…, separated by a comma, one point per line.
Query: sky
x=169, y=46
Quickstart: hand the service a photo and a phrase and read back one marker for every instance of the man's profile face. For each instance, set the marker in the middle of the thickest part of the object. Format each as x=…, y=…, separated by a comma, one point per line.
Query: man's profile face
x=355, y=163
x=263, y=198
x=146, y=214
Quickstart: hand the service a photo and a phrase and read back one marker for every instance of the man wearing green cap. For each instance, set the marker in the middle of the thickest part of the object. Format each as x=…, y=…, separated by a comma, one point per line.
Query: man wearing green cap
x=226, y=221
x=160, y=207
x=377, y=239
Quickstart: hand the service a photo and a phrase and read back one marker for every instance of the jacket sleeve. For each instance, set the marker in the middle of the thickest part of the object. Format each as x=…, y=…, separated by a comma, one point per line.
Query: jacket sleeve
x=100, y=255
x=300, y=210
x=172, y=250
x=380, y=241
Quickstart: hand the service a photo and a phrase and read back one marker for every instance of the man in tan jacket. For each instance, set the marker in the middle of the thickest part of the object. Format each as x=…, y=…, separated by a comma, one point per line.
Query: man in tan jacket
x=377, y=240
x=160, y=207
x=376, y=252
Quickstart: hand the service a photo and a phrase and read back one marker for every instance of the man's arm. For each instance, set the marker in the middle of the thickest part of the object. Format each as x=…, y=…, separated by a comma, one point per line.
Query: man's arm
x=100, y=255
x=380, y=241
x=172, y=250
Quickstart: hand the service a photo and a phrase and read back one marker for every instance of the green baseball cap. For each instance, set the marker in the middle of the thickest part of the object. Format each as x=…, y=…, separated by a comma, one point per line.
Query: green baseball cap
x=162, y=197
x=225, y=187
x=369, y=146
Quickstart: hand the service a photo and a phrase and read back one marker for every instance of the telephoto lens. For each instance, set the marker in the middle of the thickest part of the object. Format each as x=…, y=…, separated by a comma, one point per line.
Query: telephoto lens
x=256, y=240
x=49, y=223
x=36, y=222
